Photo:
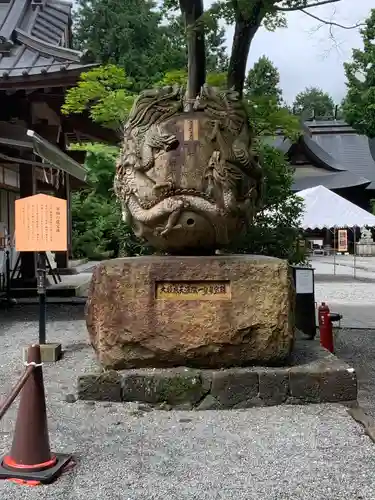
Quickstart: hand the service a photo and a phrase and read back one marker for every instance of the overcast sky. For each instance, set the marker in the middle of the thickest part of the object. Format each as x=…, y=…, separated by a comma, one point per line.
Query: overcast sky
x=306, y=57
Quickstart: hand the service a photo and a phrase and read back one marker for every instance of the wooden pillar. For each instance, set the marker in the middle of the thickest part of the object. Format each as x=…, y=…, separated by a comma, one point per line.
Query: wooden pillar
x=27, y=188
x=62, y=258
x=70, y=224
x=63, y=191
x=54, y=134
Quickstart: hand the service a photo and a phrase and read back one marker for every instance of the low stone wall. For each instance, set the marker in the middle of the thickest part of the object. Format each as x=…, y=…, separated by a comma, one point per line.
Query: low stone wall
x=315, y=376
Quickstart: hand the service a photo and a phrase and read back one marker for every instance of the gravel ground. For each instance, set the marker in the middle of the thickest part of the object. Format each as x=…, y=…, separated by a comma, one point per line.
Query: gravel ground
x=343, y=289
x=354, y=299
x=349, y=293
x=311, y=452
x=357, y=347
x=342, y=261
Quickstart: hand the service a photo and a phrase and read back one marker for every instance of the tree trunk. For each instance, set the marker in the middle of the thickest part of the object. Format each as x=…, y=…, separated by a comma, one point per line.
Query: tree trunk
x=245, y=29
x=192, y=10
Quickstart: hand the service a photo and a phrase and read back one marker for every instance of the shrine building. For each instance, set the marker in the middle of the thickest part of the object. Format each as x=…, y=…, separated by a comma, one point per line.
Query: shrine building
x=37, y=66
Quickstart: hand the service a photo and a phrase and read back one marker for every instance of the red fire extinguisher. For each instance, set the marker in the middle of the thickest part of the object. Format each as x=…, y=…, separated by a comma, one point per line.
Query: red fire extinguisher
x=325, y=327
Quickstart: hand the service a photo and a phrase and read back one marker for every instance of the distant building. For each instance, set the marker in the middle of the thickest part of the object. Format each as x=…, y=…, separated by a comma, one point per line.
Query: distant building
x=334, y=155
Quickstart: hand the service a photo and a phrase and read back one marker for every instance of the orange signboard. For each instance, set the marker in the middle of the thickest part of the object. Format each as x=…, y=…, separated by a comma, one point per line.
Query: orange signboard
x=41, y=224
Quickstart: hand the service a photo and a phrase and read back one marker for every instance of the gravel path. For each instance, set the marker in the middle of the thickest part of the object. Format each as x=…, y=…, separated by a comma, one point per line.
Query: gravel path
x=343, y=288
x=357, y=347
x=354, y=299
x=350, y=293
x=313, y=452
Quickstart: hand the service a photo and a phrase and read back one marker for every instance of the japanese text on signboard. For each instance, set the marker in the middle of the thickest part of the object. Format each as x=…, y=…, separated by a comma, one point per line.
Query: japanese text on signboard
x=41, y=224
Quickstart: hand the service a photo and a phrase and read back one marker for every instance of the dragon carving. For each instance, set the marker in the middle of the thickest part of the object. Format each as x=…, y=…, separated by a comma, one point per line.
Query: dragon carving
x=187, y=180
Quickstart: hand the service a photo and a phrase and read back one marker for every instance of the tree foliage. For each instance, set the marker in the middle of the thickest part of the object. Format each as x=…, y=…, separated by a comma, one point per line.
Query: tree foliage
x=314, y=103
x=247, y=16
x=268, y=119
x=140, y=38
x=263, y=81
x=105, y=92
x=147, y=40
x=263, y=97
x=180, y=78
x=129, y=34
x=276, y=228
x=98, y=229
x=215, y=49
x=359, y=103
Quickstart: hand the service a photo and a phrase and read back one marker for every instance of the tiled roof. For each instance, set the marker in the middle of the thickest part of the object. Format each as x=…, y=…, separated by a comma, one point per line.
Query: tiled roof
x=350, y=149
x=371, y=143
x=34, y=36
x=335, y=146
x=328, y=126
x=334, y=180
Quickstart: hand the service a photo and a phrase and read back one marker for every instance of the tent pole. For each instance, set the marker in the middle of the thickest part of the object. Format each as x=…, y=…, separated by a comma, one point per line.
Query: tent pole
x=355, y=252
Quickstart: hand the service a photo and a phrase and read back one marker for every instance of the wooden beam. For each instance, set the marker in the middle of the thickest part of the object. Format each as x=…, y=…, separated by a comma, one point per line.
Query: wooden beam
x=80, y=123
x=56, y=79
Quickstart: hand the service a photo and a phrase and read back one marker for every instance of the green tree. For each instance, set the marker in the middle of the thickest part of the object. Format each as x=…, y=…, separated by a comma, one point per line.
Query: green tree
x=263, y=95
x=267, y=112
x=263, y=81
x=180, y=77
x=314, y=102
x=276, y=228
x=147, y=40
x=247, y=16
x=135, y=36
x=127, y=33
x=98, y=230
x=216, y=53
x=105, y=92
x=359, y=103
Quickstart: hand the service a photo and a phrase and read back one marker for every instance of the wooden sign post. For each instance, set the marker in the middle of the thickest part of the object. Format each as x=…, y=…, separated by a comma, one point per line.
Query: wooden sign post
x=41, y=226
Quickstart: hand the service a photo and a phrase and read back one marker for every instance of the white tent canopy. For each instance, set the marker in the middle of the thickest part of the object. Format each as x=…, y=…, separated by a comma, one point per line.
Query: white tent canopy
x=325, y=209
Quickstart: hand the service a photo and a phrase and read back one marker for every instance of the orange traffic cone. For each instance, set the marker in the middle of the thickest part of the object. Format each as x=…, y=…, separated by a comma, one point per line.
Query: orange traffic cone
x=30, y=459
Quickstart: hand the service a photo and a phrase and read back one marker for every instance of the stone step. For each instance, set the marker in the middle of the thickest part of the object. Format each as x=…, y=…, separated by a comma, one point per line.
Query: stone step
x=313, y=376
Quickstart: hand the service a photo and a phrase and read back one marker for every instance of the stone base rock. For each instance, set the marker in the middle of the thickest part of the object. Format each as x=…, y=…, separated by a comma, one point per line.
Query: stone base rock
x=206, y=312
x=315, y=377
